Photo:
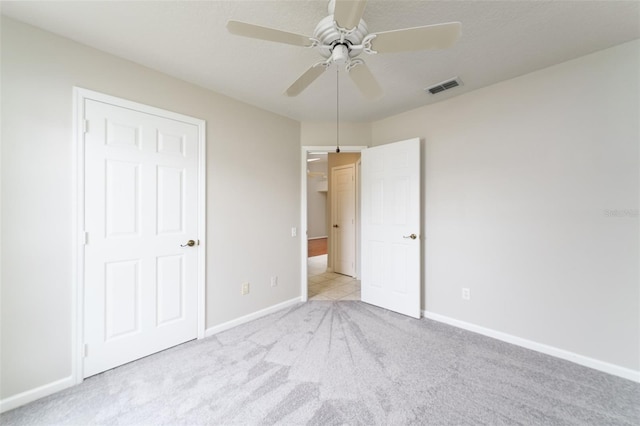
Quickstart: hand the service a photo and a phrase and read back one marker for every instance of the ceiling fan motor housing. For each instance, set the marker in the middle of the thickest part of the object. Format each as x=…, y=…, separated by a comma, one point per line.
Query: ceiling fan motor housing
x=330, y=36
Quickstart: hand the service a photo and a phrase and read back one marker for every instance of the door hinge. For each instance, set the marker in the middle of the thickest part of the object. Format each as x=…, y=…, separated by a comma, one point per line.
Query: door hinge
x=85, y=238
x=86, y=350
x=85, y=126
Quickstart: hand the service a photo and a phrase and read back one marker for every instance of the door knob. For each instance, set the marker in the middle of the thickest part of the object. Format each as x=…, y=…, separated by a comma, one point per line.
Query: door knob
x=190, y=243
x=412, y=236
x=336, y=226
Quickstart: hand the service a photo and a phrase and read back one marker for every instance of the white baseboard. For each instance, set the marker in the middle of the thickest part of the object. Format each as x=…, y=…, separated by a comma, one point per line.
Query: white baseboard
x=33, y=394
x=255, y=315
x=605, y=367
x=316, y=238
x=51, y=388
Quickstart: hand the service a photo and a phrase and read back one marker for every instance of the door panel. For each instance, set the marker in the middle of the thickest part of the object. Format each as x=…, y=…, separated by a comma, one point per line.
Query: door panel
x=122, y=298
x=141, y=188
x=171, y=200
x=122, y=135
x=390, y=214
x=171, y=287
x=171, y=144
x=123, y=198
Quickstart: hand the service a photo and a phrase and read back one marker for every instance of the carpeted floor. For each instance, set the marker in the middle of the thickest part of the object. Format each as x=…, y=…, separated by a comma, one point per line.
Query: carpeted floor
x=335, y=363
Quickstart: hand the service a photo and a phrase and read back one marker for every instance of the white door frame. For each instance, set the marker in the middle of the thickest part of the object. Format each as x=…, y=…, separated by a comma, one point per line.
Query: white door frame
x=358, y=219
x=77, y=311
x=303, y=208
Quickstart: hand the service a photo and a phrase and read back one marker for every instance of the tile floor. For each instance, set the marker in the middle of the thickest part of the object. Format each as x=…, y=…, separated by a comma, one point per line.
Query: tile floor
x=325, y=285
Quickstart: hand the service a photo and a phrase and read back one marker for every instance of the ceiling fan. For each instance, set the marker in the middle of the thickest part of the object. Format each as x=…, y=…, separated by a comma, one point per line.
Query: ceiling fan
x=343, y=35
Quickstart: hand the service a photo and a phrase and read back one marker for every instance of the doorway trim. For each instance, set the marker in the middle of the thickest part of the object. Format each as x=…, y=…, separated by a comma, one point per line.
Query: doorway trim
x=80, y=95
x=303, y=208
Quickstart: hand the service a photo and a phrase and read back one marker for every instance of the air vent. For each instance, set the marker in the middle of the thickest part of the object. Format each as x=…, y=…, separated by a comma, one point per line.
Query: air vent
x=445, y=85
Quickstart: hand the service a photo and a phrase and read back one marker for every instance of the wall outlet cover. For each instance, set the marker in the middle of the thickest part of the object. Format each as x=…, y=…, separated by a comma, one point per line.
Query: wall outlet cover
x=466, y=294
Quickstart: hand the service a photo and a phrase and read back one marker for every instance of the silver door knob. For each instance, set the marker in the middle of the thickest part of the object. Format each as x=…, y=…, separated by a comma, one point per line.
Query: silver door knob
x=412, y=236
x=190, y=243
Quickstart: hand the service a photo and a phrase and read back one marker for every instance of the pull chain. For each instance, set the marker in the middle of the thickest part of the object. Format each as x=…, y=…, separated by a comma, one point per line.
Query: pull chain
x=337, y=109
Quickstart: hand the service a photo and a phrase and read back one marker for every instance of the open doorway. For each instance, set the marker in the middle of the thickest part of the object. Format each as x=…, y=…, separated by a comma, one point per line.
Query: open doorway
x=317, y=220
x=330, y=216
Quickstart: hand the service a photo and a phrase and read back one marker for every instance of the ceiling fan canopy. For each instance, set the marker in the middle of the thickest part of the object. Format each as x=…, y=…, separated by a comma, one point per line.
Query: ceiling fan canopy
x=342, y=36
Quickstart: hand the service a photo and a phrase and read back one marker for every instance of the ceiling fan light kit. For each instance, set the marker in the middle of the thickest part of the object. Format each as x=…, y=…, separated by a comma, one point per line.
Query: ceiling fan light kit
x=343, y=35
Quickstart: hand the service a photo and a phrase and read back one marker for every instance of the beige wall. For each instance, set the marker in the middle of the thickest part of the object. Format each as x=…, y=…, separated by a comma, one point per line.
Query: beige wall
x=531, y=201
x=323, y=133
x=253, y=195
x=317, y=201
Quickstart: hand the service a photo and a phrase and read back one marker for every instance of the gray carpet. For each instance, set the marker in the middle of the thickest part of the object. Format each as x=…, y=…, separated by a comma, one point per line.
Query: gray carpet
x=326, y=363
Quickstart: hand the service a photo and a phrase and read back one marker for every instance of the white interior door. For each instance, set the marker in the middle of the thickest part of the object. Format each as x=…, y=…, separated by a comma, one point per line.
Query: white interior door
x=343, y=217
x=391, y=227
x=141, y=208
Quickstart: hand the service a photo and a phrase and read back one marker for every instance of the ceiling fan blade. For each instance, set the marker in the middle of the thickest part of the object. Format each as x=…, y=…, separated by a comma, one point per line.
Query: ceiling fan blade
x=439, y=36
x=265, y=33
x=305, y=80
x=366, y=82
x=347, y=13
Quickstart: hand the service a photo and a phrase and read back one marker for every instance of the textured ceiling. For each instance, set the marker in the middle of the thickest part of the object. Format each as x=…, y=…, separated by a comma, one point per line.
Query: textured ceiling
x=188, y=39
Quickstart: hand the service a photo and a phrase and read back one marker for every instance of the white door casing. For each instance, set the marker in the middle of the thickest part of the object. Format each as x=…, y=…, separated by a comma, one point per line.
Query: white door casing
x=303, y=208
x=390, y=217
x=143, y=200
x=343, y=218
x=358, y=219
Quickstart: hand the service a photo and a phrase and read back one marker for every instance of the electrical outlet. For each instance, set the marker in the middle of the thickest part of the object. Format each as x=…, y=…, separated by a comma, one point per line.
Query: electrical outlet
x=466, y=294
x=274, y=281
x=245, y=289
x=294, y=232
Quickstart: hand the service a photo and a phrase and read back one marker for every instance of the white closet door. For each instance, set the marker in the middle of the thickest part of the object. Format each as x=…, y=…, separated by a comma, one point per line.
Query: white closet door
x=141, y=189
